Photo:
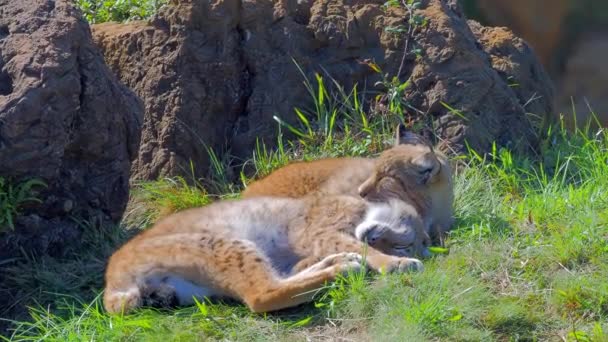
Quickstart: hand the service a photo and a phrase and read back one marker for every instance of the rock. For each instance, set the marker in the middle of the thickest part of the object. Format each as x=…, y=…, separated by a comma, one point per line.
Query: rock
x=64, y=118
x=217, y=71
x=517, y=65
x=455, y=71
x=187, y=67
x=539, y=22
x=565, y=34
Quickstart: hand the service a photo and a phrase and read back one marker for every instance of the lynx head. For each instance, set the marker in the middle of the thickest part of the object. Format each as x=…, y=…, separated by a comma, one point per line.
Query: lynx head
x=394, y=227
x=411, y=165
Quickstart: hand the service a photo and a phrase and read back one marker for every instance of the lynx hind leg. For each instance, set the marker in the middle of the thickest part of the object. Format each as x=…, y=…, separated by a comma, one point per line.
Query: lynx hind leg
x=236, y=268
x=122, y=301
x=163, y=271
x=163, y=291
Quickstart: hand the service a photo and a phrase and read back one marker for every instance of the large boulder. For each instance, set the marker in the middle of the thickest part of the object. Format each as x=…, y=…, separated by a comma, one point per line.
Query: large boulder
x=187, y=67
x=65, y=119
x=468, y=95
x=213, y=73
x=569, y=37
x=517, y=65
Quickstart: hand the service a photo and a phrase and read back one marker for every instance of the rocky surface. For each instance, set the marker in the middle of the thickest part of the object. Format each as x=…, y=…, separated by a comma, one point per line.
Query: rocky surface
x=214, y=73
x=456, y=70
x=517, y=65
x=64, y=118
x=539, y=22
x=187, y=67
x=569, y=37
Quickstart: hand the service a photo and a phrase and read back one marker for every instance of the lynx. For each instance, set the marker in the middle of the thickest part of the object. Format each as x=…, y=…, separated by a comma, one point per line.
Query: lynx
x=270, y=253
x=411, y=164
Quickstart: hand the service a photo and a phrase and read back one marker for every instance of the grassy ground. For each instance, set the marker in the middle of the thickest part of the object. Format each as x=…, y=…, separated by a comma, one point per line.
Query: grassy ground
x=528, y=259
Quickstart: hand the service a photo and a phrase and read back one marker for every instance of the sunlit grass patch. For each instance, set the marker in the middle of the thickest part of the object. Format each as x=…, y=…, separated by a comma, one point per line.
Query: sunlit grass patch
x=526, y=259
x=151, y=200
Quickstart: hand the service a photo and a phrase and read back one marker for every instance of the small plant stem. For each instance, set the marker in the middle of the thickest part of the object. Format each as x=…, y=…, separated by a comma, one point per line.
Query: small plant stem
x=405, y=48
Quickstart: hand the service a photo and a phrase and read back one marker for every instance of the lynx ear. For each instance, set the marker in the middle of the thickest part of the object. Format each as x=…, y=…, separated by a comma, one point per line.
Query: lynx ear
x=405, y=136
x=367, y=186
x=399, y=131
x=443, y=146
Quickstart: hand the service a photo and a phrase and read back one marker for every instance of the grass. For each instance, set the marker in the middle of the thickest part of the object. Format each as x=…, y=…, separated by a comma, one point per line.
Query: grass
x=528, y=258
x=99, y=11
x=15, y=195
x=153, y=200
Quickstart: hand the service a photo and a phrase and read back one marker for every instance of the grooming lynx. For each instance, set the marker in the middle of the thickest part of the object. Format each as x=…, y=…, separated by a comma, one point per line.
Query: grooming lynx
x=421, y=174
x=270, y=253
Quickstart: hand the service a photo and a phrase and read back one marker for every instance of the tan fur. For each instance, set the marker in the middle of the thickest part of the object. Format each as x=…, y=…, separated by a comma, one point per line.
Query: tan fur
x=270, y=253
x=330, y=175
x=394, y=171
x=403, y=165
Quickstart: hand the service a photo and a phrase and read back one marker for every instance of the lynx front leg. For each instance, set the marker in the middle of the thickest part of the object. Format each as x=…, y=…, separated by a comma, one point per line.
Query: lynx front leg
x=301, y=287
x=317, y=263
x=376, y=260
x=253, y=279
x=380, y=262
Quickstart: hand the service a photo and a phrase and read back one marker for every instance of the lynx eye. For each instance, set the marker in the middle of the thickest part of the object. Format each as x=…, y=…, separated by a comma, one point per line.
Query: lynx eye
x=403, y=249
x=426, y=171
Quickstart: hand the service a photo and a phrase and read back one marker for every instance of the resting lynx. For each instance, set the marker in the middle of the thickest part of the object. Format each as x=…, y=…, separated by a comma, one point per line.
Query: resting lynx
x=270, y=253
x=411, y=163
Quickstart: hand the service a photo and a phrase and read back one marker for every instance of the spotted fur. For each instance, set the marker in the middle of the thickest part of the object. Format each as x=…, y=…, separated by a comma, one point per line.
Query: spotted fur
x=411, y=170
x=270, y=253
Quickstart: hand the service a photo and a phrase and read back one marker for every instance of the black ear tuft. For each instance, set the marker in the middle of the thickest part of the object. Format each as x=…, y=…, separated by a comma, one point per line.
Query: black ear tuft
x=400, y=132
x=405, y=136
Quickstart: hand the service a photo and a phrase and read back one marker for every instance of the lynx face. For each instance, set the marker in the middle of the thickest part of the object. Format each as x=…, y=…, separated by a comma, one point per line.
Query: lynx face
x=406, y=165
x=410, y=164
x=415, y=173
x=394, y=228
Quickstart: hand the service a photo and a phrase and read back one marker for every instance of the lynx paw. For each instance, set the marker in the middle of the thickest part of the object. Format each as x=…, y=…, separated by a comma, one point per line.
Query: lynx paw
x=348, y=262
x=342, y=259
x=122, y=301
x=402, y=265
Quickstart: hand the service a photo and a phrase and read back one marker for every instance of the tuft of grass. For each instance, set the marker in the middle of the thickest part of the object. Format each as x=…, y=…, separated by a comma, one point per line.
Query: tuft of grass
x=220, y=177
x=100, y=11
x=340, y=122
x=13, y=196
x=151, y=200
x=265, y=160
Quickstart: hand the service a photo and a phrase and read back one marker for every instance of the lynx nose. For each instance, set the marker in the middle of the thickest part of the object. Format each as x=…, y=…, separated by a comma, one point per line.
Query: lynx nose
x=373, y=234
